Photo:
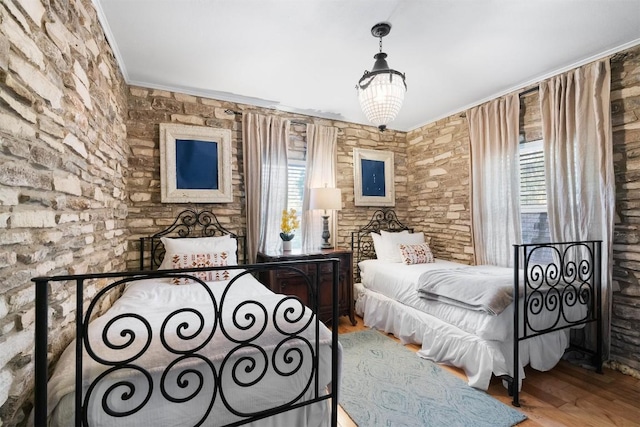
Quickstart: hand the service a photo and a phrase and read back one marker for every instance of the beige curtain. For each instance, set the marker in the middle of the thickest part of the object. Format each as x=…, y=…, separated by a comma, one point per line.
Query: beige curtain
x=264, y=145
x=320, y=171
x=495, y=179
x=576, y=121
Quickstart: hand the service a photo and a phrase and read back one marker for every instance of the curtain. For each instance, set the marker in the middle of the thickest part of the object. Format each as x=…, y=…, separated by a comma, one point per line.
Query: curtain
x=321, y=171
x=495, y=180
x=264, y=145
x=578, y=149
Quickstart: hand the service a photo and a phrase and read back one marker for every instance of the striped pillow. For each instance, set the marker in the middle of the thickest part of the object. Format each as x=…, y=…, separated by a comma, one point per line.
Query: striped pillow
x=216, y=259
x=416, y=254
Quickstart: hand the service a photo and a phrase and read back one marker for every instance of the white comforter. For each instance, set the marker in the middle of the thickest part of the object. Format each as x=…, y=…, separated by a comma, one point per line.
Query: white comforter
x=154, y=299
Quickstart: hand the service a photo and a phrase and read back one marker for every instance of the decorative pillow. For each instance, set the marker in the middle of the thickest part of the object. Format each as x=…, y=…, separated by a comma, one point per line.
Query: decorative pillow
x=416, y=254
x=180, y=261
x=198, y=245
x=393, y=239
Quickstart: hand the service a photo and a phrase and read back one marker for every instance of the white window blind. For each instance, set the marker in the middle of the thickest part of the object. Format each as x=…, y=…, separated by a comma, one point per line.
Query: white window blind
x=533, y=197
x=295, y=193
x=533, y=193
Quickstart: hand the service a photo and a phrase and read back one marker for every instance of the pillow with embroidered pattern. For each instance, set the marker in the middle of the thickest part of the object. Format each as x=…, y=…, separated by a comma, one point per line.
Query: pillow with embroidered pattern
x=198, y=245
x=416, y=254
x=217, y=259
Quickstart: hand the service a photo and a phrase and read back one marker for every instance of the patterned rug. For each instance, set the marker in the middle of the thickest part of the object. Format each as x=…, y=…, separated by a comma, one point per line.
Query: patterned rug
x=386, y=384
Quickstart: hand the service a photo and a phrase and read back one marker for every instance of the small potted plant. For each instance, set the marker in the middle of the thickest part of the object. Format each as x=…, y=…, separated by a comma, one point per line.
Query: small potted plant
x=288, y=225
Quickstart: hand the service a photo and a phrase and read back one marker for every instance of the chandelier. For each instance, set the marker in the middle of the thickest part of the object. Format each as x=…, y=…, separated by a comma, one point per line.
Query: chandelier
x=381, y=90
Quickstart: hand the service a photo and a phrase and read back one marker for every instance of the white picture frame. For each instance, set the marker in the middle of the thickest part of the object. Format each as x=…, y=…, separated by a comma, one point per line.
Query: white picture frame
x=178, y=181
x=370, y=188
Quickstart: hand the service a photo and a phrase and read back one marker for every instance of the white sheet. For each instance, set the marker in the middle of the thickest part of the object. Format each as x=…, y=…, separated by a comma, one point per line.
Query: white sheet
x=154, y=299
x=399, y=282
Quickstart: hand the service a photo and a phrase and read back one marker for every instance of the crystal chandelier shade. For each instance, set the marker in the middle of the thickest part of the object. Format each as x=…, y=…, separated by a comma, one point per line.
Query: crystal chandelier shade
x=381, y=91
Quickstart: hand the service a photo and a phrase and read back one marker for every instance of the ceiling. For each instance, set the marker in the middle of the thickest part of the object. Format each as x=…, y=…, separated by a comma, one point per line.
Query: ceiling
x=306, y=56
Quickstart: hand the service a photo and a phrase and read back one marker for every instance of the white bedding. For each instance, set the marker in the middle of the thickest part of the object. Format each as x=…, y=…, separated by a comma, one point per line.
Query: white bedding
x=479, y=343
x=399, y=282
x=154, y=299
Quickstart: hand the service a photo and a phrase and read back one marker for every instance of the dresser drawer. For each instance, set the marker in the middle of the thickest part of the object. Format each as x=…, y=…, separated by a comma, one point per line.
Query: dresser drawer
x=289, y=282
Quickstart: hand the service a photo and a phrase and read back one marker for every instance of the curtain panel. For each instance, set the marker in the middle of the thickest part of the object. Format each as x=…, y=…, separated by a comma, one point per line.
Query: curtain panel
x=495, y=179
x=264, y=145
x=578, y=149
x=321, y=172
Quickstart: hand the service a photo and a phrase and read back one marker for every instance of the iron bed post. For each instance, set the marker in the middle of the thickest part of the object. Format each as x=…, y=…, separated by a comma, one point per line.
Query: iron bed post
x=141, y=253
x=516, y=328
x=334, y=343
x=598, y=298
x=79, y=342
x=41, y=374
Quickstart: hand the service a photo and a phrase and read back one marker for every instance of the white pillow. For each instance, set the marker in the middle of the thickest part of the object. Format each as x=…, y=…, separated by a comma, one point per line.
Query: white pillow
x=198, y=245
x=392, y=241
x=378, y=244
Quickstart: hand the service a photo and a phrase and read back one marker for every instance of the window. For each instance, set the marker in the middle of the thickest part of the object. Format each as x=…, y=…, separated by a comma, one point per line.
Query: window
x=295, y=194
x=533, y=199
x=533, y=194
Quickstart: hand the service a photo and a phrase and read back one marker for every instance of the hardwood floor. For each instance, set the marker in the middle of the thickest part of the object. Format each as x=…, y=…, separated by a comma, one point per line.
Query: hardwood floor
x=567, y=395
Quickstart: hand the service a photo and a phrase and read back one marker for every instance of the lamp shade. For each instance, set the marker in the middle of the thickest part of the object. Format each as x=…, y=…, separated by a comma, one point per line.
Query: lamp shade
x=325, y=198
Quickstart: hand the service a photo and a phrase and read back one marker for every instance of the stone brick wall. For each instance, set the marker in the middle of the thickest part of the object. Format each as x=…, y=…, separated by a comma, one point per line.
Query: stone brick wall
x=147, y=108
x=351, y=136
x=63, y=162
x=625, y=116
x=438, y=186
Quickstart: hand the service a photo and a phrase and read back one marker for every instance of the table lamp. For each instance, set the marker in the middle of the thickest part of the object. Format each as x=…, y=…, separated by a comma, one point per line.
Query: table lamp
x=326, y=199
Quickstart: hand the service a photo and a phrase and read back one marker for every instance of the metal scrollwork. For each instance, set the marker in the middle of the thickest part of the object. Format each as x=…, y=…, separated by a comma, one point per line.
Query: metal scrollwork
x=562, y=289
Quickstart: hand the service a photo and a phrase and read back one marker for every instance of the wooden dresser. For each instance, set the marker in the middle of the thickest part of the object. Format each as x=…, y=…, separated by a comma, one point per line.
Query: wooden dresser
x=290, y=283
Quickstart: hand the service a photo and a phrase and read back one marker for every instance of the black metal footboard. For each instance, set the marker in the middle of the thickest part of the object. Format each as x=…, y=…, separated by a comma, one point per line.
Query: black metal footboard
x=560, y=287
x=241, y=327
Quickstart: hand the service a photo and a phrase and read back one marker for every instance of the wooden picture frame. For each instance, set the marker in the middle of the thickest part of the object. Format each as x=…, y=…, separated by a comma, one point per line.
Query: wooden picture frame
x=195, y=164
x=373, y=177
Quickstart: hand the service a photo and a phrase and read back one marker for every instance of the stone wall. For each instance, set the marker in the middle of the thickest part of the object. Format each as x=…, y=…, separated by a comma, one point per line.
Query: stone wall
x=351, y=136
x=625, y=116
x=147, y=108
x=438, y=177
x=63, y=162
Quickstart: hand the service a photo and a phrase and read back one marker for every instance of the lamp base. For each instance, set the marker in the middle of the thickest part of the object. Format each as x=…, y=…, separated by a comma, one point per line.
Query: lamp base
x=325, y=233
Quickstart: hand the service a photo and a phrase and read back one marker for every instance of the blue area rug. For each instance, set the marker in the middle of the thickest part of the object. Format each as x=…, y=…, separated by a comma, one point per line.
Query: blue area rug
x=386, y=384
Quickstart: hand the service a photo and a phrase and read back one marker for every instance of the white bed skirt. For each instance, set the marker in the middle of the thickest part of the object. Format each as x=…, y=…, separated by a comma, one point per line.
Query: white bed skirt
x=445, y=343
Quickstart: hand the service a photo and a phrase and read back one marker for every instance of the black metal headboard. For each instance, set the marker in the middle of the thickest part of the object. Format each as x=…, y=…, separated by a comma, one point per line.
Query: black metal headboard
x=361, y=241
x=189, y=223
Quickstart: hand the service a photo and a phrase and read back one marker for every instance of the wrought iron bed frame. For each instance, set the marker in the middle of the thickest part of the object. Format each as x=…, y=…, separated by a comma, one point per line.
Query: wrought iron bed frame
x=187, y=224
x=82, y=320
x=555, y=286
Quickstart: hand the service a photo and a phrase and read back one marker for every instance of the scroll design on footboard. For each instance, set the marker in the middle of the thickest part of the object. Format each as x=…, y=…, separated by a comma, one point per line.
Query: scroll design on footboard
x=139, y=363
x=559, y=285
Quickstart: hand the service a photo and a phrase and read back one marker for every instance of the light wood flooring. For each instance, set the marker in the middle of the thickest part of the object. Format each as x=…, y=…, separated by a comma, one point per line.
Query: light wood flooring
x=567, y=395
